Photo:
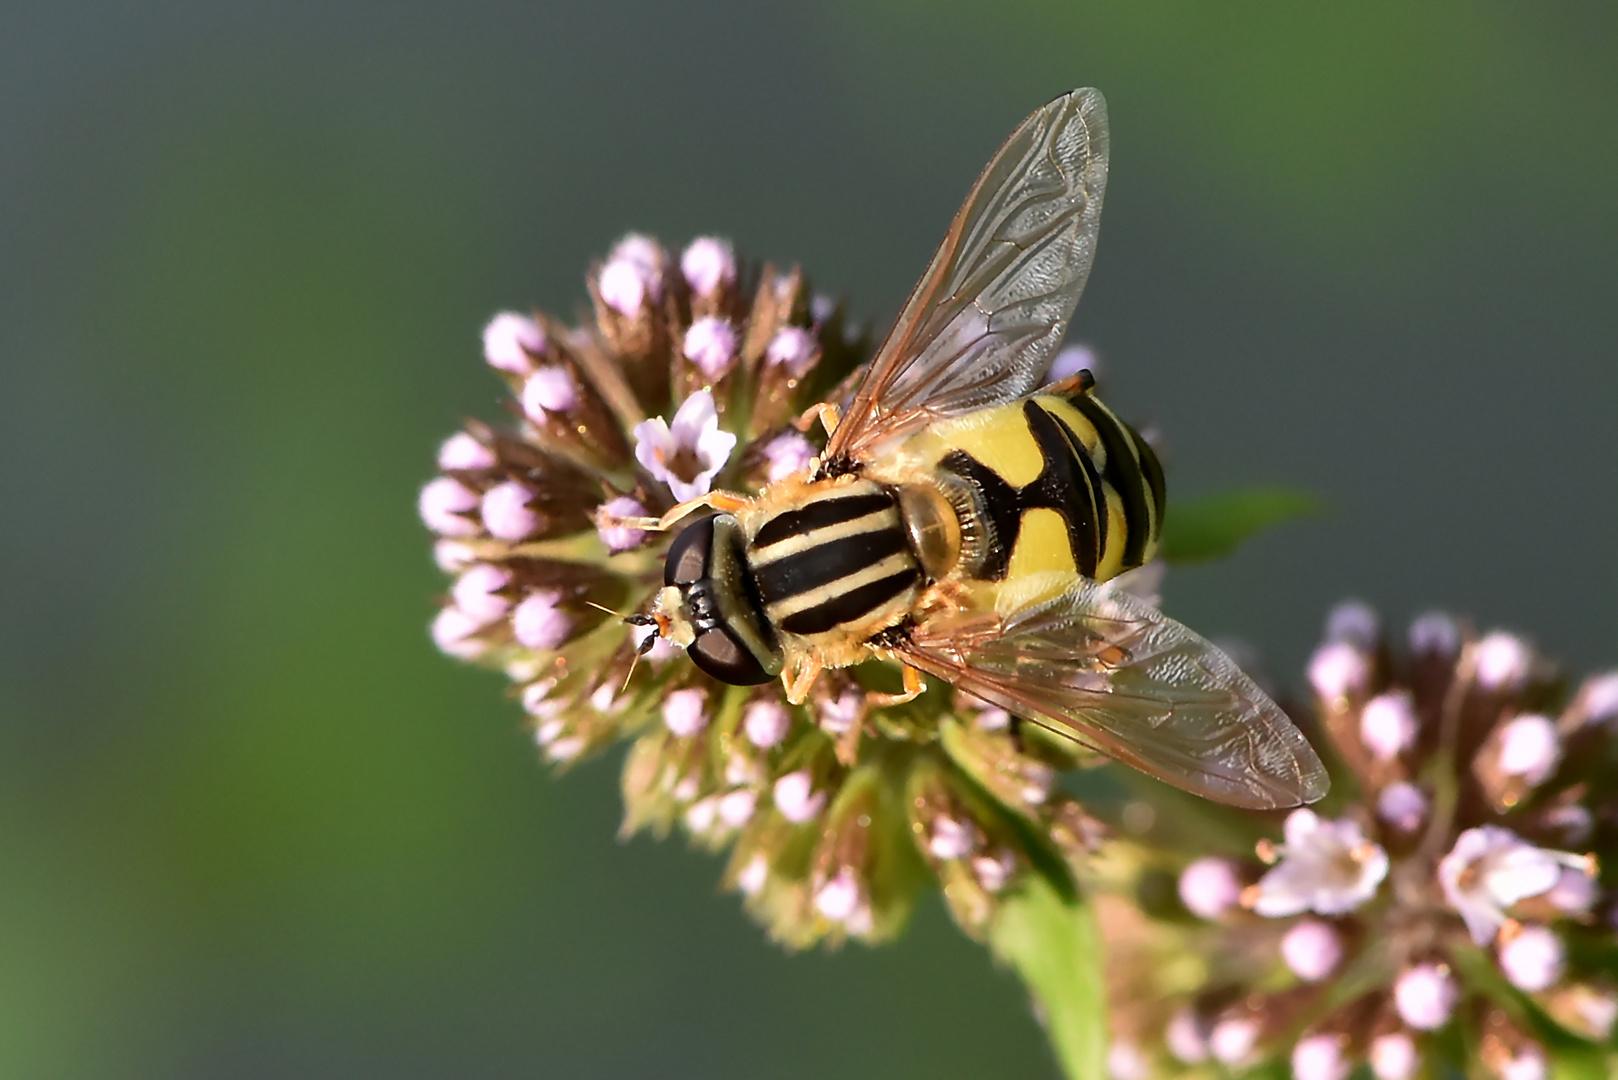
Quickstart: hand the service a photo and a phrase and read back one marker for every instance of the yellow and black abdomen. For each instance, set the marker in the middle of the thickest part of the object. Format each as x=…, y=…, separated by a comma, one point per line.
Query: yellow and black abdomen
x=1049, y=483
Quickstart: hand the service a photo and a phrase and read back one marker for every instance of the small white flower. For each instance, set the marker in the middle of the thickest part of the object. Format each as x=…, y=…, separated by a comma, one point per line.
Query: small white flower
x=1210, y=887
x=708, y=264
x=460, y=451
x=1312, y=949
x=621, y=537
x=1187, y=1036
x=793, y=348
x=1126, y=1062
x=1502, y=661
x=1601, y=698
x=683, y=712
x=796, y=798
x=538, y=623
x=1233, y=1038
x=951, y=839
x=1355, y=622
x=736, y=807
x=1072, y=359
x=1402, y=805
x=840, y=898
x=1525, y=1063
x=633, y=274
x=454, y=633
x=1488, y=870
x=550, y=389
x=477, y=591
x=752, y=877
x=1337, y=670
x=1532, y=958
x=838, y=715
x=1328, y=867
x=1434, y=634
x=1320, y=1057
x=1393, y=1056
x=688, y=453
x=508, y=341
x=1530, y=748
x=766, y=722
x=1425, y=996
x=1388, y=724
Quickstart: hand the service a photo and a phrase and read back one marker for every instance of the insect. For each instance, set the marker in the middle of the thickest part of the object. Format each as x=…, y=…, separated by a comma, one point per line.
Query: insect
x=962, y=522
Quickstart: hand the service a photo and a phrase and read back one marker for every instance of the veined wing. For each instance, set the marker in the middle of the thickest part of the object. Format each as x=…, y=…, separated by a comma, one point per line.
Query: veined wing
x=1112, y=672
x=981, y=324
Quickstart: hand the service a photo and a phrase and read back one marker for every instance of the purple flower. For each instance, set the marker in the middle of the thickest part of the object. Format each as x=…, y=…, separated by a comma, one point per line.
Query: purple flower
x=538, y=623
x=688, y=453
x=796, y=798
x=1531, y=957
x=685, y=712
x=1320, y=1057
x=1530, y=748
x=1210, y=887
x=550, y=389
x=1388, y=724
x=1072, y=359
x=510, y=342
x=633, y=274
x=1402, y=805
x=453, y=632
x=461, y=452
x=1312, y=949
x=1326, y=866
x=788, y=455
x=506, y=513
x=1425, y=996
x=1502, y=661
x=794, y=349
x=1337, y=670
x=1394, y=1057
x=477, y=592
x=766, y=722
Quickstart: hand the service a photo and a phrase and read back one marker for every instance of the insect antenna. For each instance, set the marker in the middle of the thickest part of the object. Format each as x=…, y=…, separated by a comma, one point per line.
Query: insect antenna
x=646, y=643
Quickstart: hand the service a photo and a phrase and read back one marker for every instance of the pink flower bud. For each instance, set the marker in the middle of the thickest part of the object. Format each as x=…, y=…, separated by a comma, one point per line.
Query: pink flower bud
x=951, y=839
x=477, y=592
x=1186, y=1036
x=1337, y=670
x=709, y=265
x=788, y=455
x=461, y=451
x=538, y=623
x=1503, y=661
x=1530, y=748
x=684, y=712
x=841, y=897
x=453, y=632
x=1320, y=1057
x=1403, y=806
x=1532, y=958
x=1575, y=891
x=508, y=341
x=1072, y=359
x=1210, y=887
x=753, y=876
x=1312, y=949
x=710, y=344
x=1355, y=622
x=444, y=503
x=506, y=514
x=1435, y=634
x=766, y=722
x=1394, y=1057
x=736, y=807
x=1601, y=698
x=1425, y=996
x=550, y=389
x=620, y=537
x=453, y=556
x=794, y=349
x=1233, y=1038
x=796, y=798
x=1388, y=724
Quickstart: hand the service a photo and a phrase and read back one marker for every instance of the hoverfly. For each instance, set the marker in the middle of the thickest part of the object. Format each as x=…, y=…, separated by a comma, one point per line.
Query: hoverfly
x=962, y=521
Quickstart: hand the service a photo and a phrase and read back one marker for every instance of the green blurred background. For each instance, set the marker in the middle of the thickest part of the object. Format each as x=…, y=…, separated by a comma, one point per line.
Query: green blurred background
x=251, y=825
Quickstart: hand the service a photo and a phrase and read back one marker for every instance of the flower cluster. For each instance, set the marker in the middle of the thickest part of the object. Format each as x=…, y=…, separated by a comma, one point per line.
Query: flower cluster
x=1448, y=908
x=689, y=377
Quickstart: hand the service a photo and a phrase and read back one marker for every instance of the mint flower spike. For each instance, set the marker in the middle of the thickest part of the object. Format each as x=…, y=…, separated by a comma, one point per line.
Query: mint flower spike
x=1454, y=892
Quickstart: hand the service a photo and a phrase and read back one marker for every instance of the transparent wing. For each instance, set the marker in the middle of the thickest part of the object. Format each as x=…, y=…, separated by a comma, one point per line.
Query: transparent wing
x=981, y=324
x=1109, y=670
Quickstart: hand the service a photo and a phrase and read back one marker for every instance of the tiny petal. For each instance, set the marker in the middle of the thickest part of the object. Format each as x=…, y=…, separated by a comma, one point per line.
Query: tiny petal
x=506, y=513
x=508, y=341
x=736, y=807
x=1425, y=996
x=1530, y=748
x=1403, y=806
x=538, y=623
x=1326, y=866
x=1388, y=724
x=1337, y=670
x=1210, y=887
x=461, y=451
x=477, y=592
x=794, y=349
x=1525, y=1063
x=710, y=344
x=1434, y=634
x=1072, y=359
x=994, y=869
x=1186, y=1036
x=624, y=286
x=1233, y=1038
x=684, y=712
x=788, y=455
x=1575, y=891
x=796, y=798
x=1394, y=1057
x=766, y=723
x=1312, y=949
x=550, y=389
x=1502, y=661
x=699, y=816
x=453, y=631
x=1532, y=958
x=1355, y=622
x=621, y=537
x=444, y=503
x=709, y=265
x=693, y=443
x=1320, y=1057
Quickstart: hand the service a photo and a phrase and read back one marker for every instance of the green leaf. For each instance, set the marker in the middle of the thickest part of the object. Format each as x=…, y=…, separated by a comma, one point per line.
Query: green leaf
x=1212, y=526
x=1055, y=946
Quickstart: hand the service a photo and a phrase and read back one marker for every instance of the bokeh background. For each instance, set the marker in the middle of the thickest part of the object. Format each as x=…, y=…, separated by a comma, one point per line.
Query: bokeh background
x=251, y=825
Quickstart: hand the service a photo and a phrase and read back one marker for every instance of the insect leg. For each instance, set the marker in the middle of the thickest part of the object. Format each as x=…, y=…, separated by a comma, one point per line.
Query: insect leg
x=828, y=414
x=913, y=687
x=798, y=683
x=714, y=500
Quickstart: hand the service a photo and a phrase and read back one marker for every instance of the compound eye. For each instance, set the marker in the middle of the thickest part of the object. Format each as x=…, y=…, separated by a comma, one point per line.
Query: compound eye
x=690, y=553
x=719, y=654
